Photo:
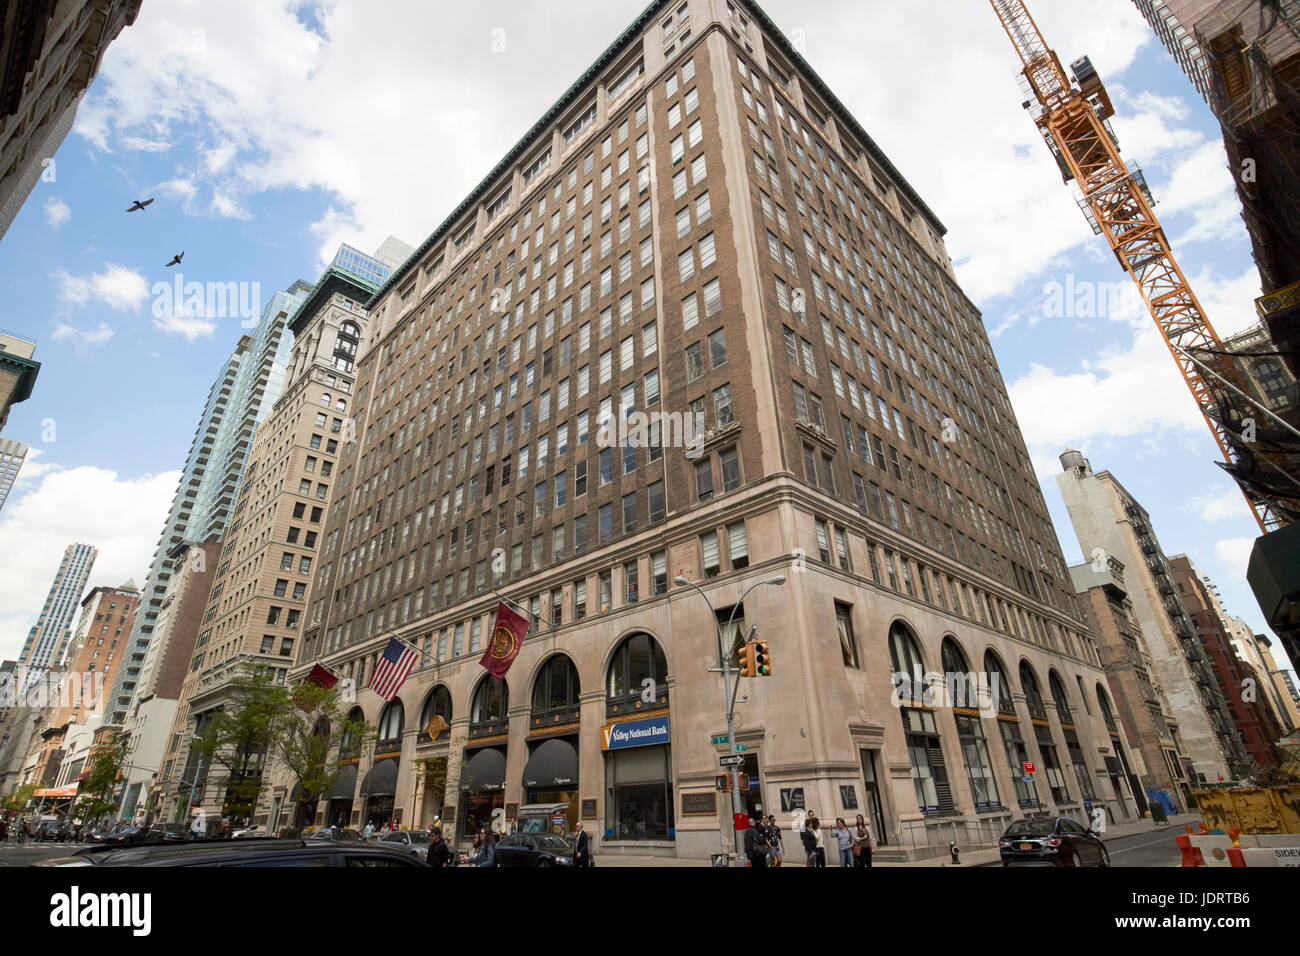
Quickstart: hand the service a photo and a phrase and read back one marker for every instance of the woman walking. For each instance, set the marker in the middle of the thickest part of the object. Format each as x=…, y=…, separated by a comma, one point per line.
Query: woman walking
x=844, y=843
x=819, y=843
x=863, y=843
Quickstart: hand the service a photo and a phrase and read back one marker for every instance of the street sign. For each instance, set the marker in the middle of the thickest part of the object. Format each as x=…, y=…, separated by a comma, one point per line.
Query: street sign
x=1029, y=766
x=732, y=760
x=741, y=748
x=719, y=739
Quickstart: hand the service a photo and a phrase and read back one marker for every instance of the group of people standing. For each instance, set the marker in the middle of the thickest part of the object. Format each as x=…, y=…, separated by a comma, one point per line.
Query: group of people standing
x=764, y=846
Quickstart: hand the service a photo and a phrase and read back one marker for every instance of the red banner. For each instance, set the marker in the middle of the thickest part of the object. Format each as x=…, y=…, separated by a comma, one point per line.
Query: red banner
x=507, y=637
x=318, y=676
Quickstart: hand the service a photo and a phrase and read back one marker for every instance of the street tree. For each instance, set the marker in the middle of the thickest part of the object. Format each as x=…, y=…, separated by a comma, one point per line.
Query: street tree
x=98, y=795
x=305, y=738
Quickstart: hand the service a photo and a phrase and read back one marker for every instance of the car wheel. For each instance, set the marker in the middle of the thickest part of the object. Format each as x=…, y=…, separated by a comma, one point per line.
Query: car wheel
x=1103, y=858
x=543, y=862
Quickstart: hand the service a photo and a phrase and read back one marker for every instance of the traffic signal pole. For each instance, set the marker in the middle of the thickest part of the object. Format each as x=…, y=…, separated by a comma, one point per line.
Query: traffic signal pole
x=730, y=691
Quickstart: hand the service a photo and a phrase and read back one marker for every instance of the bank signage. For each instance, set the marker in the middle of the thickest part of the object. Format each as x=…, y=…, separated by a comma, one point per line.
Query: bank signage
x=635, y=733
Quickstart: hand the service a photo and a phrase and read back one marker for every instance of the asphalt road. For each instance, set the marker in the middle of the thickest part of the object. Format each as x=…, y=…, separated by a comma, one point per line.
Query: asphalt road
x=11, y=854
x=1154, y=848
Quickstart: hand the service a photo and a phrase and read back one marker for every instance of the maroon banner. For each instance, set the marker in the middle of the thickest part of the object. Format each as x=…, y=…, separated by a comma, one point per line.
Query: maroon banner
x=507, y=637
x=320, y=677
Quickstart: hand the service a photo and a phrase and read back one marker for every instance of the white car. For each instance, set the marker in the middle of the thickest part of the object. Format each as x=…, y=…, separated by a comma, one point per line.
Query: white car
x=415, y=842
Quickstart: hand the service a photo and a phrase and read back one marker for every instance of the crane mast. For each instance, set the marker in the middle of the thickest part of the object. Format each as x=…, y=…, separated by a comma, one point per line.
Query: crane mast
x=1073, y=122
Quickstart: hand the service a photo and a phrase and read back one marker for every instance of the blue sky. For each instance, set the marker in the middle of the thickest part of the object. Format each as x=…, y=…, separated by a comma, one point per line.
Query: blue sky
x=272, y=132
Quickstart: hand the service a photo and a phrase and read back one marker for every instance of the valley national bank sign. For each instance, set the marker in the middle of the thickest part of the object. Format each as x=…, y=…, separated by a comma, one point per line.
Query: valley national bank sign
x=635, y=733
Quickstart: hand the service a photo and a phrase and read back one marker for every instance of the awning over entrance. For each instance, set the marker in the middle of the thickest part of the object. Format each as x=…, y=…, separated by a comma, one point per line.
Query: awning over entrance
x=553, y=764
x=56, y=793
x=381, y=781
x=346, y=785
x=486, y=770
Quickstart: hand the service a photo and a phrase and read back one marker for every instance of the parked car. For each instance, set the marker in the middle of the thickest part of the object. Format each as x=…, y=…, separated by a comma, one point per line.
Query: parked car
x=1052, y=841
x=258, y=853
x=535, y=849
x=414, y=842
x=132, y=835
x=171, y=832
x=337, y=835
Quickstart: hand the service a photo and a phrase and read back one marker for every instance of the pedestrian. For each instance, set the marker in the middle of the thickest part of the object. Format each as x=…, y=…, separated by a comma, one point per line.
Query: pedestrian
x=755, y=846
x=369, y=831
x=489, y=855
x=819, y=842
x=514, y=824
x=863, y=843
x=844, y=843
x=439, y=852
x=477, y=847
x=581, y=846
x=809, y=841
x=775, y=848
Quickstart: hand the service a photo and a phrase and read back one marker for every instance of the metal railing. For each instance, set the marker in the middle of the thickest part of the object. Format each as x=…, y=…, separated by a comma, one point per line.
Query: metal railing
x=914, y=835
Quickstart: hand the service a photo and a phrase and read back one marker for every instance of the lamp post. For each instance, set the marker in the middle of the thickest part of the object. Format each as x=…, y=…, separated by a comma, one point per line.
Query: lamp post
x=729, y=692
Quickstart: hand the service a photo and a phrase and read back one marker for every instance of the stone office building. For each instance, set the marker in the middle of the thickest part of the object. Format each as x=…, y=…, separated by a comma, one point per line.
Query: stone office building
x=698, y=227
x=255, y=610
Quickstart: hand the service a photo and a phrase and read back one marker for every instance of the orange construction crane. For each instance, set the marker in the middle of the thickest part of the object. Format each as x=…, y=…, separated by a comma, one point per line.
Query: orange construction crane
x=1073, y=121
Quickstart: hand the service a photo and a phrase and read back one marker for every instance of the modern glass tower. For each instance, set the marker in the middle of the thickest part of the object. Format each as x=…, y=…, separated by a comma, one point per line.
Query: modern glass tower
x=48, y=639
x=241, y=396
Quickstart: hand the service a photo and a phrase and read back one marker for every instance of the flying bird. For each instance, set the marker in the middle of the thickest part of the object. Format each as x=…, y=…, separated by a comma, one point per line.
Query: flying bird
x=140, y=204
x=176, y=259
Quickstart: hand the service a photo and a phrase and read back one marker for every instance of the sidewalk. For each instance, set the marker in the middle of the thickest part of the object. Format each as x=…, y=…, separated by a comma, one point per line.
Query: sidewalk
x=986, y=856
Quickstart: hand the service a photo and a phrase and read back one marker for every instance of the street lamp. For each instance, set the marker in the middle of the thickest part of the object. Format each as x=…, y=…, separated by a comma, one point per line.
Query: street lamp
x=729, y=692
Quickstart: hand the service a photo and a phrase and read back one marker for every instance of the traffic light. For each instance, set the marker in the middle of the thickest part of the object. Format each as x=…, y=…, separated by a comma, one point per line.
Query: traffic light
x=747, y=666
x=762, y=659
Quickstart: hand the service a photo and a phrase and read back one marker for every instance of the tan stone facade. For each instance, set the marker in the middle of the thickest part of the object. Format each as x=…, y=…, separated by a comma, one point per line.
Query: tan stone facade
x=1139, y=700
x=697, y=228
x=257, y=605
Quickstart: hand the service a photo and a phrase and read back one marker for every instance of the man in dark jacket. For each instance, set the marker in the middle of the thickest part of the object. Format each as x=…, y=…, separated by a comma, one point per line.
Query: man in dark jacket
x=581, y=846
x=755, y=846
x=439, y=852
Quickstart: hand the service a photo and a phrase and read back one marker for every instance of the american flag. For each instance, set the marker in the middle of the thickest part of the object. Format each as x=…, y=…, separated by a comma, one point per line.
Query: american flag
x=391, y=669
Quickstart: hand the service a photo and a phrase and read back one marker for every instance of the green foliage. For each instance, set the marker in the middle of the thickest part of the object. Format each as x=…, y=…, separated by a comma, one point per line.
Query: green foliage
x=98, y=794
x=306, y=735
x=262, y=720
x=19, y=797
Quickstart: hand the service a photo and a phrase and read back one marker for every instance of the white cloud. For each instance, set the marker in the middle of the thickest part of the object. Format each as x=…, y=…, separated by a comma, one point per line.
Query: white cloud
x=145, y=145
x=57, y=212
x=33, y=467
x=189, y=327
x=121, y=518
x=1220, y=506
x=118, y=287
x=1233, y=555
x=1135, y=391
x=64, y=332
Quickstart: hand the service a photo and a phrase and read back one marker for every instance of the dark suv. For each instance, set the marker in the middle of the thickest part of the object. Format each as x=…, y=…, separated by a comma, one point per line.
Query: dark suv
x=246, y=852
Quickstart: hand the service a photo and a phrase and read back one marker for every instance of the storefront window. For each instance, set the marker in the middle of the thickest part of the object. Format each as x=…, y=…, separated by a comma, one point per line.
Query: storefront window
x=639, y=794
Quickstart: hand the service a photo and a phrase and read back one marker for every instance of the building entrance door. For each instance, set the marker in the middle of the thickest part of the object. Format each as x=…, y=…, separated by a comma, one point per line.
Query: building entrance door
x=874, y=805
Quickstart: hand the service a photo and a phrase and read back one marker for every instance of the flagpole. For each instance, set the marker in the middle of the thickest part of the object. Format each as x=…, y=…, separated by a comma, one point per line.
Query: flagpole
x=527, y=611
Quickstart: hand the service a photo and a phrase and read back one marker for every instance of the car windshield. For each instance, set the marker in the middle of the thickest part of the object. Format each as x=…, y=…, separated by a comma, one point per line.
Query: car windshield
x=556, y=843
x=347, y=835
x=1030, y=828
x=420, y=838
